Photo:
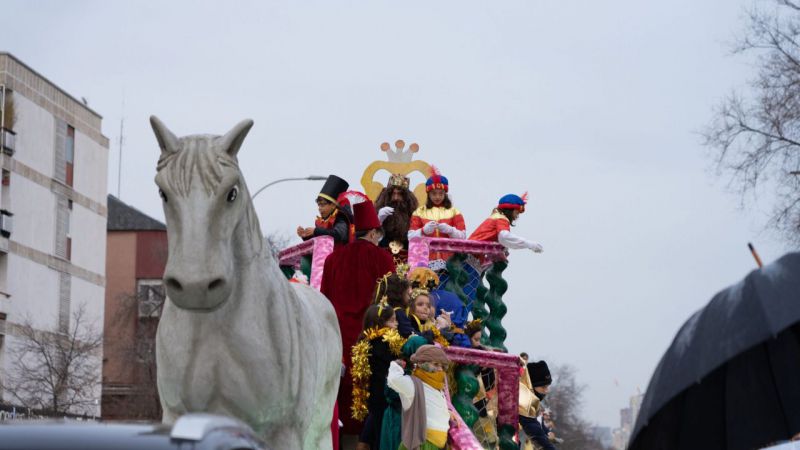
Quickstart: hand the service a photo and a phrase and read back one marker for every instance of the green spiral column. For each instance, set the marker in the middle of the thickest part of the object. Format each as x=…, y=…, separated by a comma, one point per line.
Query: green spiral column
x=467, y=388
x=497, y=309
x=466, y=383
x=505, y=434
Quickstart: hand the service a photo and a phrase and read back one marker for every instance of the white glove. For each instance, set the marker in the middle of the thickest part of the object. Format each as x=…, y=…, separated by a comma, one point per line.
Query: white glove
x=385, y=212
x=429, y=227
x=537, y=247
x=445, y=228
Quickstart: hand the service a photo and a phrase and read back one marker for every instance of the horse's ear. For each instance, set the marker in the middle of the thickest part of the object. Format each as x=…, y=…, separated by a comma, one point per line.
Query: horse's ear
x=166, y=140
x=232, y=141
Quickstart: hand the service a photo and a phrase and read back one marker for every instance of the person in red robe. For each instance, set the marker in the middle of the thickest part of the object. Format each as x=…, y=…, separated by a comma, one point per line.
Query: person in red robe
x=437, y=218
x=348, y=280
x=497, y=227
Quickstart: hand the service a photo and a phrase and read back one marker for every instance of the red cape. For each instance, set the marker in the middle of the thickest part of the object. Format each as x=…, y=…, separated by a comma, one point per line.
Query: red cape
x=348, y=280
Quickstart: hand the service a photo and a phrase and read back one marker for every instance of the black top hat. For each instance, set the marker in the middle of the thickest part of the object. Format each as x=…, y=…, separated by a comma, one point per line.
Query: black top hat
x=539, y=373
x=332, y=188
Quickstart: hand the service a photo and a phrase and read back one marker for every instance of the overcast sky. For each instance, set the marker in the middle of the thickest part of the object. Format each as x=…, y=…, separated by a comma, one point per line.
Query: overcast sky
x=592, y=107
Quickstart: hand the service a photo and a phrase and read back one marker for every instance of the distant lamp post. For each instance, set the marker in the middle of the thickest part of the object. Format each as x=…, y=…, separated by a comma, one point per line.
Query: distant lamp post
x=309, y=178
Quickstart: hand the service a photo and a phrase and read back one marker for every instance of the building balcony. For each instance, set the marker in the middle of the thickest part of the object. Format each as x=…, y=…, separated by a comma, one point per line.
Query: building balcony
x=6, y=223
x=8, y=141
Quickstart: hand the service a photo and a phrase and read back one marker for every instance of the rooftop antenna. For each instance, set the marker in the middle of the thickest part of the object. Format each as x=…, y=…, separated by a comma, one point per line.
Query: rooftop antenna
x=121, y=141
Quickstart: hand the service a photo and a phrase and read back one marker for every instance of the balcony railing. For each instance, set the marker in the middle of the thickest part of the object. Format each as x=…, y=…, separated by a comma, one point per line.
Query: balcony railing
x=6, y=223
x=8, y=141
x=317, y=248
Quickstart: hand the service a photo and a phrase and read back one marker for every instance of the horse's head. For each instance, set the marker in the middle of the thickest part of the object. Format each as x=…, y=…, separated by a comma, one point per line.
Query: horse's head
x=209, y=214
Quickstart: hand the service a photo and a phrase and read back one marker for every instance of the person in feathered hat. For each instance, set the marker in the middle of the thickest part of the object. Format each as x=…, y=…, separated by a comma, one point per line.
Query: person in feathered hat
x=333, y=220
x=348, y=280
x=437, y=217
x=497, y=227
x=533, y=387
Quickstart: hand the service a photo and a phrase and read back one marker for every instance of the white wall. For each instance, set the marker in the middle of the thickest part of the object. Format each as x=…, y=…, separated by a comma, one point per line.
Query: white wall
x=91, y=168
x=92, y=297
x=35, y=128
x=88, y=231
x=34, y=293
x=34, y=208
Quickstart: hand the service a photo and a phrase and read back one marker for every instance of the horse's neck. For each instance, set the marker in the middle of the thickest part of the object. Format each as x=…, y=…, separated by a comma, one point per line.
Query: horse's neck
x=258, y=274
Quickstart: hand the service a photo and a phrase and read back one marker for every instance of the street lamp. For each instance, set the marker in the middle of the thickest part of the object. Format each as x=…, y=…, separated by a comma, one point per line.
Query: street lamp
x=310, y=178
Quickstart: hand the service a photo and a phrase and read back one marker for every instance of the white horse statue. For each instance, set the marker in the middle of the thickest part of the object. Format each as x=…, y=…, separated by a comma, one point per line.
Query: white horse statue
x=235, y=337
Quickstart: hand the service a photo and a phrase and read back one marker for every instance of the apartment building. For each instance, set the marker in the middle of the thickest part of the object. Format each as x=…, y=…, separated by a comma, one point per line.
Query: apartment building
x=52, y=214
x=136, y=259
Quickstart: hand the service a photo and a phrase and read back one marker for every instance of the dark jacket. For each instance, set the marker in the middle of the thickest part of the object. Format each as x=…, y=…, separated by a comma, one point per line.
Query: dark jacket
x=536, y=432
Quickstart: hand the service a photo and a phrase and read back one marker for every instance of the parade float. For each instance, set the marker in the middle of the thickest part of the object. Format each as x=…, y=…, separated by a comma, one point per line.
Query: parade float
x=474, y=273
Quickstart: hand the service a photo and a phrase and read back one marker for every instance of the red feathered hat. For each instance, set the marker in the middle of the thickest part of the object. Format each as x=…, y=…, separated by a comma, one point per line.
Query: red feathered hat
x=436, y=181
x=365, y=216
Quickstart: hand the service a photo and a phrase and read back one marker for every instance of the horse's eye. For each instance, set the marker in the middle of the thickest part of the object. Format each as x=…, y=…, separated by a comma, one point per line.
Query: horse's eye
x=234, y=192
x=162, y=195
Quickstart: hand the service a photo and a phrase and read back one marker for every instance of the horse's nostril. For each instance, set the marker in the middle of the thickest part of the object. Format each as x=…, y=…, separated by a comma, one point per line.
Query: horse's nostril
x=172, y=283
x=215, y=284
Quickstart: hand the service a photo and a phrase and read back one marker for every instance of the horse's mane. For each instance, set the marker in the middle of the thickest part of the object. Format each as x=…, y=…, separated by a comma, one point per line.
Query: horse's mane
x=200, y=159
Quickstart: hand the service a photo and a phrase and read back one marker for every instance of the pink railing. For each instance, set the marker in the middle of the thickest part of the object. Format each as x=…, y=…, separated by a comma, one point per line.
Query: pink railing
x=318, y=248
x=507, y=366
x=419, y=249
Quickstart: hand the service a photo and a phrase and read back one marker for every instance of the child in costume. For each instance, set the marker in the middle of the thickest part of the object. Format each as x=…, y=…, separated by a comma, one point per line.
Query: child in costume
x=427, y=321
x=332, y=220
x=437, y=217
x=378, y=345
x=497, y=227
x=392, y=417
x=426, y=418
x=419, y=311
x=396, y=291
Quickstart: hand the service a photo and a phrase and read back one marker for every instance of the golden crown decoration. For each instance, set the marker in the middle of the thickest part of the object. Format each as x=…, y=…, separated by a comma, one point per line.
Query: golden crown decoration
x=400, y=164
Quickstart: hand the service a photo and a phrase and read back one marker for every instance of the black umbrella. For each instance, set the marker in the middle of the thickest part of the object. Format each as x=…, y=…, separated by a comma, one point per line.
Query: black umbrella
x=731, y=378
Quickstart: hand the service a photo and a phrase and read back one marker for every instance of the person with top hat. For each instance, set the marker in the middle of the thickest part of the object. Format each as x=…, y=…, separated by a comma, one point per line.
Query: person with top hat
x=395, y=205
x=348, y=280
x=437, y=217
x=497, y=227
x=426, y=417
x=333, y=219
x=533, y=387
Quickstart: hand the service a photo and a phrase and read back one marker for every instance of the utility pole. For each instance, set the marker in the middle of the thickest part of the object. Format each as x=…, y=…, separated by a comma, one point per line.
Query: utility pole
x=121, y=140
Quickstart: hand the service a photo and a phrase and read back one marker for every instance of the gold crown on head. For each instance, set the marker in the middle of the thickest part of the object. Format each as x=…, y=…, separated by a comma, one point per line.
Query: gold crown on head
x=398, y=180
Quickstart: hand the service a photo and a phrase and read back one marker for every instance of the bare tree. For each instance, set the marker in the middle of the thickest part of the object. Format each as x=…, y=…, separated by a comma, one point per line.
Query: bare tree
x=565, y=401
x=277, y=242
x=756, y=137
x=56, y=372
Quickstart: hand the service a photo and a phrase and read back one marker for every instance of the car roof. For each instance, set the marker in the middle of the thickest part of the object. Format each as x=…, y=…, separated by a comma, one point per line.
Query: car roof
x=69, y=435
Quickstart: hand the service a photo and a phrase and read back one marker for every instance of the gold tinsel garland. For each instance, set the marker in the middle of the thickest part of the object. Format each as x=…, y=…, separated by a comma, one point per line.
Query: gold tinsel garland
x=439, y=339
x=360, y=369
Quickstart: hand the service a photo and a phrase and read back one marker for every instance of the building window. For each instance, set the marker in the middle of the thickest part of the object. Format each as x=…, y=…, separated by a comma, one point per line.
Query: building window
x=63, y=241
x=150, y=297
x=70, y=154
x=69, y=235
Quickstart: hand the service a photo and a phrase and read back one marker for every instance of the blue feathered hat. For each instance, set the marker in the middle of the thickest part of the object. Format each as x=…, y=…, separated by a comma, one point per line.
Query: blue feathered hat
x=513, y=201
